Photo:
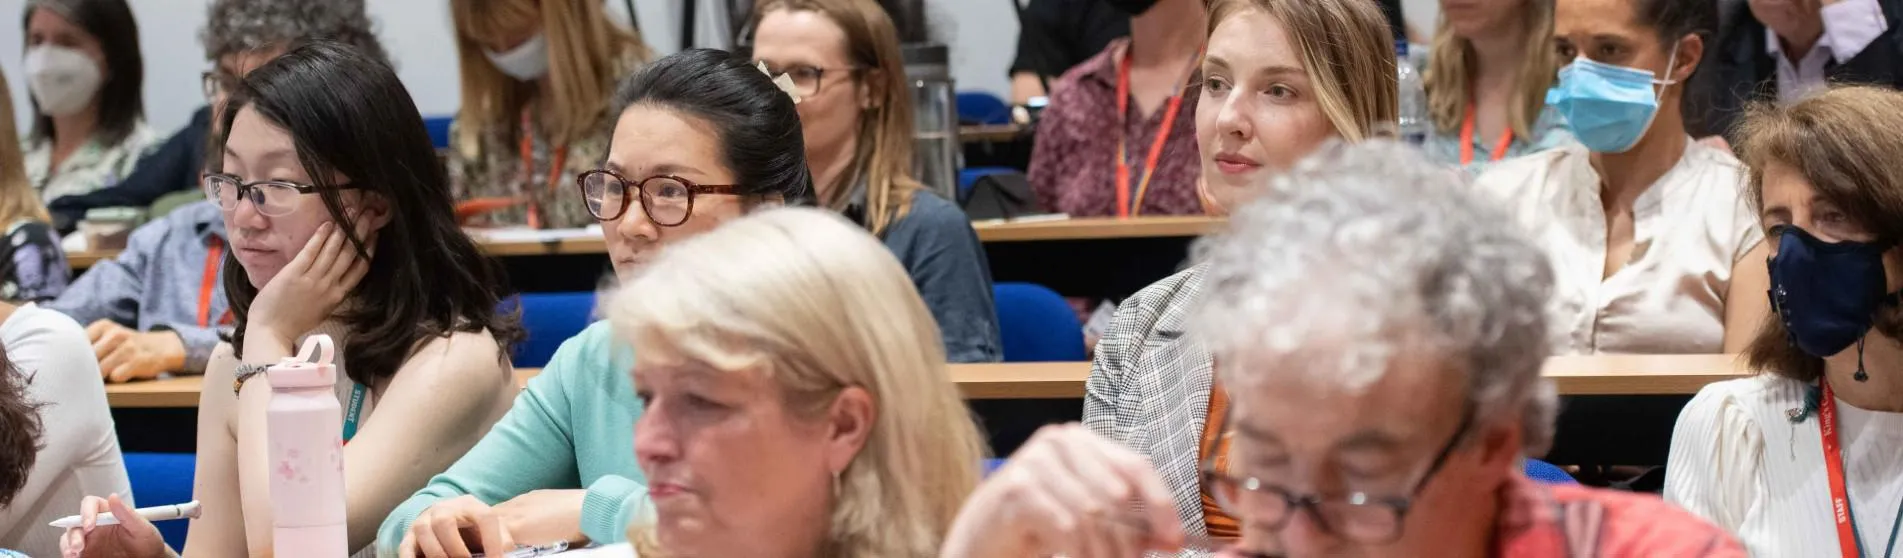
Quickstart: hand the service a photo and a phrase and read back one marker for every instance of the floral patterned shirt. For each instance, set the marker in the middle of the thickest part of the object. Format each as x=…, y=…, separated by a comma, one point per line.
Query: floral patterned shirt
x=32, y=267
x=93, y=166
x=494, y=170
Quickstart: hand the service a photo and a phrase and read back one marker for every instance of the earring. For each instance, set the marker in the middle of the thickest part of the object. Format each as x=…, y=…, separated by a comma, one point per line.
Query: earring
x=836, y=488
x=1860, y=376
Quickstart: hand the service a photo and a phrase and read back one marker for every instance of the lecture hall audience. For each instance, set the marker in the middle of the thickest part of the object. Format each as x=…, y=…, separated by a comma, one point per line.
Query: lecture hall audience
x=159, y=305
x=688, y=122
x=1118, y=138
x=842, y=57
x=1270, y=94
x=536, y=79
x=1654, y=249
x=339, y=223
x=1756, y=455
x=1382, y=330
x=85, y=77
x=1486, y=80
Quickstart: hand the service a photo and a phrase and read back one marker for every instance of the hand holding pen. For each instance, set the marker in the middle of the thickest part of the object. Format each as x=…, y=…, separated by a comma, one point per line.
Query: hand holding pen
x=131, y=536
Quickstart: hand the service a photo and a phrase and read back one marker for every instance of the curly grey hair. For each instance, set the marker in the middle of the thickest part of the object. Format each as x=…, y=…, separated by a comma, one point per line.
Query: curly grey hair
x=1362, y=253
x=235, y=26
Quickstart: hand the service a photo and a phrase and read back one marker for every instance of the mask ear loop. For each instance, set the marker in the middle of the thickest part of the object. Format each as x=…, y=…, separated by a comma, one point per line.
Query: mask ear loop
x=1860, y=376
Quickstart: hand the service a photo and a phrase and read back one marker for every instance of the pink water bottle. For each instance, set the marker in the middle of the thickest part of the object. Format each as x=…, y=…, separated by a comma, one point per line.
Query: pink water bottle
x=307, y=455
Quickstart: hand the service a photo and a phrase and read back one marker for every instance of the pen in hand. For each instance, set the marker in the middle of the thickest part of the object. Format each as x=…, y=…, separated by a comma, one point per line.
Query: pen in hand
x=188, y=510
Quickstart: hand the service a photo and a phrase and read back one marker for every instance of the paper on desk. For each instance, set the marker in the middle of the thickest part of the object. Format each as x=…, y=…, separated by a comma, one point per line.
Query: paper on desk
x=1025, y=219
x=525, y=234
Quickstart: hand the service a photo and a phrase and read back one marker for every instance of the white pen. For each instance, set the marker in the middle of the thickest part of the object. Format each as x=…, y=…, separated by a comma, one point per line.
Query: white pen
x=156, y=513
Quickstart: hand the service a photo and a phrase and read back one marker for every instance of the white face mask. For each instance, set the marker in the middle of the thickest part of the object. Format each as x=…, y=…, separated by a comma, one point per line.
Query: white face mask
x=63, y=80
x=524, y=62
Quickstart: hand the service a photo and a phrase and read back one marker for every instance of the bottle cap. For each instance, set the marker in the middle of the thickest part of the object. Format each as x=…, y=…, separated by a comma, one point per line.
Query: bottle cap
x=310, y=368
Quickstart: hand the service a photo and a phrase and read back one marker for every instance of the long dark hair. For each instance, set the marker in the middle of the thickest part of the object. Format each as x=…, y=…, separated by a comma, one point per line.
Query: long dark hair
x=347, y=113
x=758, y=128
x=121, y=97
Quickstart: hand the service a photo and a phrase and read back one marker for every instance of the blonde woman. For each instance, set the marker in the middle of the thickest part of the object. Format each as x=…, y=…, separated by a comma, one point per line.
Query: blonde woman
x=856, y=113
x=1281, y=78
x=1487, y=77
x=32, y=267
x=797, y=402
x=537, y=75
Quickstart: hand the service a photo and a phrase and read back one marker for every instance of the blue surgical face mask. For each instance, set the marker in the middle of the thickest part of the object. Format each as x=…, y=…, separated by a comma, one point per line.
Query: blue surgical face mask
x=1826, y=293
x=1608, y=107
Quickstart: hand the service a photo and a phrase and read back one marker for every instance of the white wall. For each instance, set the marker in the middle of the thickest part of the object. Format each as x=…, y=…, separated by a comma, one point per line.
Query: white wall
x=983, y=35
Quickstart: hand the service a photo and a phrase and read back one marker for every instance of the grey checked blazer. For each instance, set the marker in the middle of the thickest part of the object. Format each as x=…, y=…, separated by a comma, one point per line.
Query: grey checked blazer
x=1149, y=387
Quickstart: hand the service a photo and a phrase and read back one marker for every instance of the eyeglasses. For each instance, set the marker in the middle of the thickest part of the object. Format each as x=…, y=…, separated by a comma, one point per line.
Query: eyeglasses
x=216, y=82
x=1356, y=516
x=273, y=198
x=807, y=79
x=667, y=200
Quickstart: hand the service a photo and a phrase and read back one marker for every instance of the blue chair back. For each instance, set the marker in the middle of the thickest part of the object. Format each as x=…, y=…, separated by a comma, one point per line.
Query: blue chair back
x=970, y=176
x=1037, y=325
x=160, y=479
x=979, y=107
x=439, y=130
x=1548, y=473
x=548, y=319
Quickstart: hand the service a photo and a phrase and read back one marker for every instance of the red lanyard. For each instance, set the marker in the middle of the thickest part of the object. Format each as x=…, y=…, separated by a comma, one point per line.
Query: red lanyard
x=1467, y=139
x=1840, y=495
x=214, y=255
x=1125, y=207
x=528, y=166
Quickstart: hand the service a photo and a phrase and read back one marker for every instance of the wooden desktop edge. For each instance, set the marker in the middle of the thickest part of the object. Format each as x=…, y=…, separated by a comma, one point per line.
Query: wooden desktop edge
x=1571, y=375
x=1024, y=231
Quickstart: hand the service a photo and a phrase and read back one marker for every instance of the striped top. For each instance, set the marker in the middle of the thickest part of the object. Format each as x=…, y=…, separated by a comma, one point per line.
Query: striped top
x=1739, y=460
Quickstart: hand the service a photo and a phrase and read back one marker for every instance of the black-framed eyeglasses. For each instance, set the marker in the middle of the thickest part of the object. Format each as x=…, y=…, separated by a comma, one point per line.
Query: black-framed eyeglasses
x=807, y=79
x=273, y=198
x=666, y=200
x=1357, y=516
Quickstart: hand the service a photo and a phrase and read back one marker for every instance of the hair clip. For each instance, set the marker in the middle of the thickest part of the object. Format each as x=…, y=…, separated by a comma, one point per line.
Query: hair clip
x=783, y=81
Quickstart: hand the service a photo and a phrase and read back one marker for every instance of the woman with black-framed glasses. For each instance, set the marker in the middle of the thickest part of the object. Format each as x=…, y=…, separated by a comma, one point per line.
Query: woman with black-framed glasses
x=1379, y=331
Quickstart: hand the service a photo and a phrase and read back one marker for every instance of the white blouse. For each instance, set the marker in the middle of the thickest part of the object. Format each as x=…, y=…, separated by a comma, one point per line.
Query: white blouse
x=80, y=454
x=1689, y=229
x=1739, y=461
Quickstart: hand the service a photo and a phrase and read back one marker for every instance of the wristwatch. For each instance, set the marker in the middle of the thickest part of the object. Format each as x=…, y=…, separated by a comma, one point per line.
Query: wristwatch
x=244, y=373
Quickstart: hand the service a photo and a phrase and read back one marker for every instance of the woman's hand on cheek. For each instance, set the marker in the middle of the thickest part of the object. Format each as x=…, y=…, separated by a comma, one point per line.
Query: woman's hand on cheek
x=310, y=288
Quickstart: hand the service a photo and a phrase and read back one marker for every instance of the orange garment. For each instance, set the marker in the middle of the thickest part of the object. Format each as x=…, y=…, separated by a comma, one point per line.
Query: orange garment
x=1220, y=524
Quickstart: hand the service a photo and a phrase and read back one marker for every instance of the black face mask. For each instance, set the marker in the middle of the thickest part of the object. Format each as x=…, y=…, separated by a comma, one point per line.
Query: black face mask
x=1132, y=7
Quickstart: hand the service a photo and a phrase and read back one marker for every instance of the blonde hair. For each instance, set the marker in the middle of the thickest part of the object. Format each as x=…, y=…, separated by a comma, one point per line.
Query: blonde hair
x=1450, y=67
x=17, y=198
x=884, y=154
x=587, y=54
x=820, y=306
x=1348, y=49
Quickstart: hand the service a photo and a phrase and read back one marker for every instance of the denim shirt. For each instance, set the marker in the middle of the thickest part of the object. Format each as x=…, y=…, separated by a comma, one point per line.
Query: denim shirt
x=155, y=283
x=941, y=252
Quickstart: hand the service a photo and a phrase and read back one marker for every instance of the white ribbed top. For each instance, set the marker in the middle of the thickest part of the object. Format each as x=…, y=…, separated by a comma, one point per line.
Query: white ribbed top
x=1738, y=460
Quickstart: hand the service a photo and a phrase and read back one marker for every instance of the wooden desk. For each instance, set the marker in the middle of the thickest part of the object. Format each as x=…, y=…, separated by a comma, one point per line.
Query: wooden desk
x=994, y=133
x=1023, y=231
x=1575, y=375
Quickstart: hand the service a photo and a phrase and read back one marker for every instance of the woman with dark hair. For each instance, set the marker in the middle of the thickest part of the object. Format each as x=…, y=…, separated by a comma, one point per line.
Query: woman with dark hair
x=1802, y=459
x=843, y=59
x=87, y=78
x=340, y=224
x=701, y=137
x=1655, y=250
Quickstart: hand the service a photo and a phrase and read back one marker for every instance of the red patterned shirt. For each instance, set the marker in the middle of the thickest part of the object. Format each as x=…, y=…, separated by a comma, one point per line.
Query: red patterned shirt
x=1074, y=166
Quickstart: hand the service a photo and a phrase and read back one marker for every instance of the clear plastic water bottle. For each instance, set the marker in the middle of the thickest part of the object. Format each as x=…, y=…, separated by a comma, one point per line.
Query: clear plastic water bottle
x=305, y=427
x=1414, y=119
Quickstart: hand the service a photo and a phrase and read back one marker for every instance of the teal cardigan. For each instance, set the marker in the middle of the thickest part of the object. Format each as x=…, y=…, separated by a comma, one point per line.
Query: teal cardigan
x=572, y=427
